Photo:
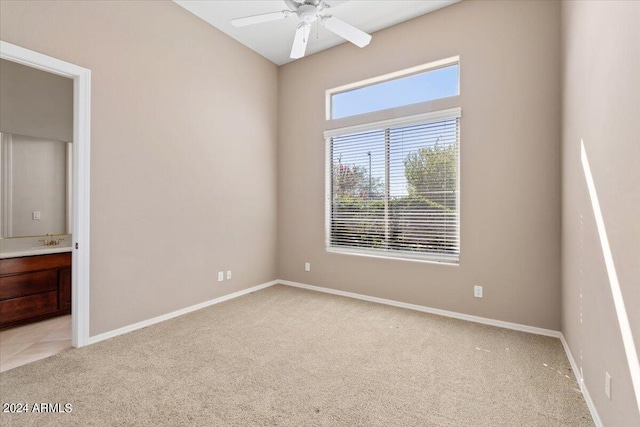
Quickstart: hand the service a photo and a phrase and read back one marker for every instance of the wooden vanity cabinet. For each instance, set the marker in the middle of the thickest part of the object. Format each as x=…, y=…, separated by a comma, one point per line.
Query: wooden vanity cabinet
x=34, y=288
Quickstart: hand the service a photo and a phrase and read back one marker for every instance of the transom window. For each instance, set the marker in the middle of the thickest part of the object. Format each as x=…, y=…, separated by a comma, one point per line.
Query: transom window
x=393, y=188
x=419, y=84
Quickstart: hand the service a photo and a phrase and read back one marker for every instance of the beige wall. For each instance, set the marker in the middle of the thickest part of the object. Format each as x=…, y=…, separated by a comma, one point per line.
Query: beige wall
x=181, y=186
x=601, y=47
x=35, y=103
x=510, y=162
x=39, y=183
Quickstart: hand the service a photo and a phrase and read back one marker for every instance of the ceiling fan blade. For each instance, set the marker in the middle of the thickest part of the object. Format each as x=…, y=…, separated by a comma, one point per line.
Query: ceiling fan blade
x=346, y=31
x=300, y=41
x=334, y=3
x=264, y=17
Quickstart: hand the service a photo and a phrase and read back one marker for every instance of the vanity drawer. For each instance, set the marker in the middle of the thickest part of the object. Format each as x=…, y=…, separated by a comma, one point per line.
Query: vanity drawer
x=22, y=285
x=34, y=263
x=21, y=308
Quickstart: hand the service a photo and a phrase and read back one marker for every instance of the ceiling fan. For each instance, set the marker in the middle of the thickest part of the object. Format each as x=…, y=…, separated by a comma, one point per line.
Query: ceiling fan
x=309, y=11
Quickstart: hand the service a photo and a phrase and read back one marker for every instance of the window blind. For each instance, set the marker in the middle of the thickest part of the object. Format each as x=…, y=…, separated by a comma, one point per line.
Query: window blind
x=394, y=190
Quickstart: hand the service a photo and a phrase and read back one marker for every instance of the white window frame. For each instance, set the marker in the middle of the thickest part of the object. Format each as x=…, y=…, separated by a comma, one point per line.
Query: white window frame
x=431, y=66
x=434, y=116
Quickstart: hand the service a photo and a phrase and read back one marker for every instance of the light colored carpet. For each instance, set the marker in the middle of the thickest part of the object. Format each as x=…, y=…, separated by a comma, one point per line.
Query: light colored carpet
x=286, y=356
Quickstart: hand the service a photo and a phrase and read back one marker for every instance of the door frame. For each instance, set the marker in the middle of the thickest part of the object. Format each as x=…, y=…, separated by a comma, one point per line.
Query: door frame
x=81, y=177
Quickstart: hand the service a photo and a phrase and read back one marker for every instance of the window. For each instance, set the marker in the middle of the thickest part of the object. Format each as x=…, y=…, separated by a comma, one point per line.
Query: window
x=440, y=80
x=393, y=187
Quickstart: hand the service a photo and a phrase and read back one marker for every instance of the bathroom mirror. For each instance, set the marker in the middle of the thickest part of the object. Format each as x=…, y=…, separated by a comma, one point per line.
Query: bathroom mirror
x=35, y=186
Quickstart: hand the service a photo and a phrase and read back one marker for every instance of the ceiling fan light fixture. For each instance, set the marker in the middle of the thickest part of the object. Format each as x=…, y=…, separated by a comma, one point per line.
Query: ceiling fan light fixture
x=307, y=13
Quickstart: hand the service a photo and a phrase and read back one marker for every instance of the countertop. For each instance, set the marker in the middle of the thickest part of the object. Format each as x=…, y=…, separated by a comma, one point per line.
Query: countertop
x=43, y=250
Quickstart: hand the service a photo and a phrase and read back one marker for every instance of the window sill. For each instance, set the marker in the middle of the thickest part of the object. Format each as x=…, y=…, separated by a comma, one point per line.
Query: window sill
x=453, y=261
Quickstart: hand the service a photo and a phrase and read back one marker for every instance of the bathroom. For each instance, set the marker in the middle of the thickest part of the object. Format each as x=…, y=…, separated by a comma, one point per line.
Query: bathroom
x=36, y=169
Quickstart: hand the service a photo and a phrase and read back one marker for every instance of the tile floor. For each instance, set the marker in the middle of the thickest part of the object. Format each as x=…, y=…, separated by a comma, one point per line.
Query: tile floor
x=28, y=343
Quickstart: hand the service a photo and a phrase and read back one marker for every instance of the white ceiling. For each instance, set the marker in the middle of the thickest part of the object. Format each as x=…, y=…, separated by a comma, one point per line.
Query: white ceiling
x=273, y=39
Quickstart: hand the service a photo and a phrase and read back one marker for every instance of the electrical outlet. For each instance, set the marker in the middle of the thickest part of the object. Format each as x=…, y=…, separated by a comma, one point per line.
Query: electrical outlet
x=307, y=266
x=220, y=276
x=228, y=274
x=477, y=291
x=35, y=216
x=607, y=385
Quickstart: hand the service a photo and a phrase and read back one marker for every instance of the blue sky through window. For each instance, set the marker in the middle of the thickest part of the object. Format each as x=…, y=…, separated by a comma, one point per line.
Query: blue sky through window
x=425, y=86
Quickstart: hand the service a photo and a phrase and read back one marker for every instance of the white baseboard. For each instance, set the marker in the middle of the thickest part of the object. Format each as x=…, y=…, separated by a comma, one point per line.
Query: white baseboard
x=574, y=366
x=162, y=318
x=583, y=387
x=425, y=309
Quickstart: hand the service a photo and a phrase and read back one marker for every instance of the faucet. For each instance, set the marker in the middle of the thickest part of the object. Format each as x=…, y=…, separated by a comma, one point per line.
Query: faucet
x=51, y=242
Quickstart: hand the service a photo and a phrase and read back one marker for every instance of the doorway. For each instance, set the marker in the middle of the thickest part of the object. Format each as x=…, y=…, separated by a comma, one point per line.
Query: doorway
x=81, y=177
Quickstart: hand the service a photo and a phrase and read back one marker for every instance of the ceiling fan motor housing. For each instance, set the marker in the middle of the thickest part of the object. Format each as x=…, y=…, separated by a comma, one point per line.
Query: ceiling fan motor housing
x=307, y=13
